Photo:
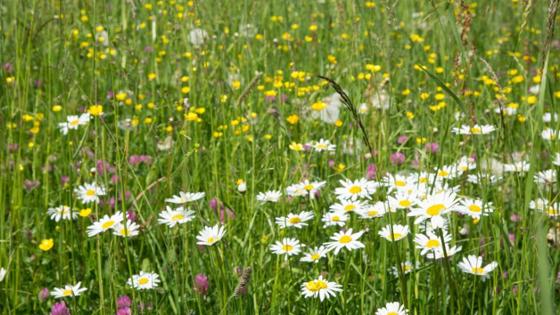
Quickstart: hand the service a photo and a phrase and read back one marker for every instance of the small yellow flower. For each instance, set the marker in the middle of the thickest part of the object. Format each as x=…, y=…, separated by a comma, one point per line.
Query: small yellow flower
x=96, y=110
x=56, y=108
x=532, y=100
x=85, y=212
x=318, y=106
x=152, y=76
x=293, y=119
x=296, y=146
x=46, y=244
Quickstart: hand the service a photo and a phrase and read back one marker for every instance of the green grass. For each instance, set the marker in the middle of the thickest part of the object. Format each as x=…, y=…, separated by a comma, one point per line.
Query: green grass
x=426, y=53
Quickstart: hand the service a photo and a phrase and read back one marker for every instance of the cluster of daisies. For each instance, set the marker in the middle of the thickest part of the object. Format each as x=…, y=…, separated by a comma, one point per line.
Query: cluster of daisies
x=429, y=198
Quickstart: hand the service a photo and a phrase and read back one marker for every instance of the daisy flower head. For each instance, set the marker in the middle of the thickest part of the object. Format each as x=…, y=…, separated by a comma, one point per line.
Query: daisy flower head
x=144, y=280
x=287, y=246
x=402, y=201
x=552, y=209
x=320, y=288
x=434, y=207
x=376, y=210
x=546, y=177
x=353, y=190
x=298, y=220
x=128, y=229
x=269, y=196
x=393, y=308
x=210, y=235
x=68, y=291
x=473, y=130
x=430, y=242
x=473, y=265
x=474, y=208
x=556, y=159
x=62, y=213
x=407, y=267
x=439, y=253
x=315, y=254
x=394, y=233
x=184, y=197
x=337, y=218
x=73, y=122
x=104, y=224
x=323, y=145
x=465, y=164
x=345, y=239
x=172, y=217
x=347, y=206
x=90, y=192
x=305, y=188
x=549, y=134
x=397, y=182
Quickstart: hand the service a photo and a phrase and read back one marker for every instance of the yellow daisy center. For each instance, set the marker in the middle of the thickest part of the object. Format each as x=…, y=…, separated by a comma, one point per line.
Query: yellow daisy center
x=177, y=217
x=434, y=210
x=432, y=244
x=318, y=106
x=67, y=292
x=107, y=224
x=210, y=240
x=355, y=189
x=477, y=270
x=405, y=203
x=396, y=236
x=443, y=173
x=476, y=130
x=315, y=256
x=143, y=281
x=392, y=313
x=345, y=239
x=474, y=208
x=308, y=187
x=316, y=285
x=287, y=247
x=372, y=213
x=349, y=208
x=400, y=183
x=74, y=122
x=90, y=192
x=335, y=218
x=294, y=220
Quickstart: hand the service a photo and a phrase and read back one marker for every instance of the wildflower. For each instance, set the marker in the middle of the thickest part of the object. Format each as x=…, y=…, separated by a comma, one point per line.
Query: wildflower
x=104, y=224
x=128, y=229
x=60, y=308
x=172, y=217
x=144, y=280
x=46, y=244
x=73, y=122
x=473, y=265
x=320, y=288
x=201, y=284
x=315, y=254
x=185, y=197
x=397, y=158
x=394, y=233
x=2, y=274
x=334, y=218
x=393, y=308
x=288, y=247
x=269, y=196
x=345, y=239
x=62, y=213
x=68, y=291
x=89, y=192
x=546, y=177
x=474, y=130
x=210, y=235
x=95, y=110
x=549, y=134
x=352, y=190
x=295, y=220
x=198, y=36
x=474, y=208
x=323, y=145
x=305, y=188
x=376, y=210
x=328, y=109
x=241, y=186
x=434, y=207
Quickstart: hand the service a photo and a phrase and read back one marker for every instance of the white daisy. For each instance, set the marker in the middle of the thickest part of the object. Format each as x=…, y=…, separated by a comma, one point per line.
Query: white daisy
x=334, y=219
x=376, y=210
x=352, y=190
x=62, y=213
x=474, y=208
x=393, y=308
x=73, y=122
x=345, y=239
x=89, y=192
x=129, y=229
x=556, y=159
x=430, y=242
x=434, y=207
x=172, y=217
x=549, y=134
x=269, y=196
x=144, y=280
x=323, y=145
x=184, y=197
x=210, y=235
x=439, y=253
x=347, y=206
x=396, y=233
x=305, y=188
x=315, y=254
x=295, y=220
x=287, y=246
x=68, y=291
x=320, y=288
x=546, y=177
x=473, y=265
x=104, y=224
x=474, y=130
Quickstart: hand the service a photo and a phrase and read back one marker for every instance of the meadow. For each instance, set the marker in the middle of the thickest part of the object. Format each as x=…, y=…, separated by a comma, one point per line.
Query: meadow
x=384, y=157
